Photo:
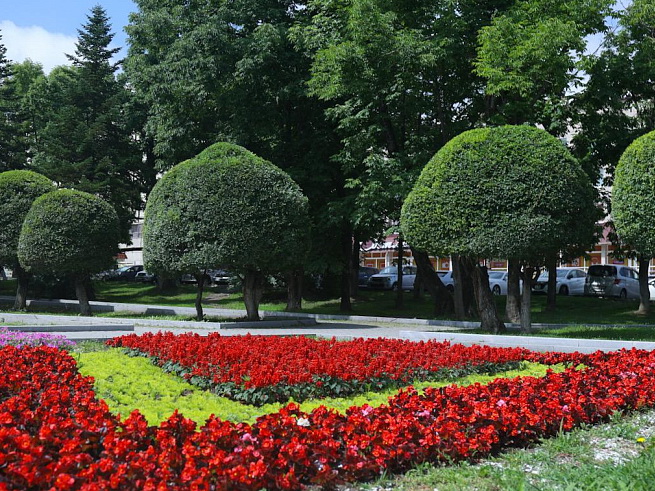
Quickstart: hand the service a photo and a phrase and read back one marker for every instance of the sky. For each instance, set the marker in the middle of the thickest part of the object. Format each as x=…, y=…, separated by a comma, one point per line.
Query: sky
x=46, y=30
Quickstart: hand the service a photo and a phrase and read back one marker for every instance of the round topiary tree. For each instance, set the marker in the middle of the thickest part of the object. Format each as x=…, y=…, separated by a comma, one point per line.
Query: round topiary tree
x=18, y=190
x=226, y=208
x=513, y=192
x=633, y=206
x=72, y=233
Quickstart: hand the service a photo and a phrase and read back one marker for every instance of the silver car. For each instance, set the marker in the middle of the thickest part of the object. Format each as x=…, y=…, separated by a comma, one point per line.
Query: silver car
x=570, y=281
x=612, y=281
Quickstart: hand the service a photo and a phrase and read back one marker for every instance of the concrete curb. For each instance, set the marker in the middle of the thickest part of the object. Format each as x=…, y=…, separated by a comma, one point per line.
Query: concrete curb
x=534, y=343
x=94, y=322
x=71, y=305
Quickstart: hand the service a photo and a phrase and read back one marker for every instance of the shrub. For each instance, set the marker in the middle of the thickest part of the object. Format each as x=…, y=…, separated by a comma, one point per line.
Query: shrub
x=226, y=208
x=72, y=233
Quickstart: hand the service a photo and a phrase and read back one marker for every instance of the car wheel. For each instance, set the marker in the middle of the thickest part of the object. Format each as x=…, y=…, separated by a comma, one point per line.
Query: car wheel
x=564, y=290
x=394, y=287
x=496, y=290
x=623, y=295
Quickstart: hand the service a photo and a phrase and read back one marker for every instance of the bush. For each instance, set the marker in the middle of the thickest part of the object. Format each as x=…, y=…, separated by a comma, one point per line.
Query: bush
x=512, y=191
x=18, y=190
x=633, y=195
x=69, y=232
x=225, y=208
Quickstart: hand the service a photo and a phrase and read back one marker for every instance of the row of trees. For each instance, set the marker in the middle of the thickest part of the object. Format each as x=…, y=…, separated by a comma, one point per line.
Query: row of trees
x=350, y=98
x=225, y=207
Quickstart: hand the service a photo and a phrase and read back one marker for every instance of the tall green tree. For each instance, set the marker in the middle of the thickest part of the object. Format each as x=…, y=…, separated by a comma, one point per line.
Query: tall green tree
x=86, y=141
x=617, y=104
x=400, y=83
x=633, y=207
x=12, y=151
x=489, y=174
x=229, y=71
x=530, y=57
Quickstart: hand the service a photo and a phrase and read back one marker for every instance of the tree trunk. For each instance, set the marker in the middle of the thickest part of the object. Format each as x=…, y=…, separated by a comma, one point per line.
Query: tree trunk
x=20, y=302
x=253, y=288
x=489, y=318
x=418, y=284
x=82, y=297
x=551, y=299
x=458, y=296
x=200, y=283
x=443, y=300
x=346, y=254
x=468, y=293
x=354, y=267
x=513, y=305
x=399, y=283
x=165, y=284
x=294, y=289
x=644, y=294
x=526, y=299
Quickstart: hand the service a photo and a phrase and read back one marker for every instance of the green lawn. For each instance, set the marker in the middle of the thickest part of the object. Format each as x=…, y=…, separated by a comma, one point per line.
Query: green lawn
x=570, y=310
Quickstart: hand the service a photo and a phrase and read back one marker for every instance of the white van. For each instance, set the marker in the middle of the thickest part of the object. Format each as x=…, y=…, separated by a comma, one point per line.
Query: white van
x=612, y=281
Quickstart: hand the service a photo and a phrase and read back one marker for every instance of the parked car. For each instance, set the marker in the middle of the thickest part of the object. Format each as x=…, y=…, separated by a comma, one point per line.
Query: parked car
x=219, y=276
x=126, y=273
x=448, y=280
x=365, y=272
x=387, y=279
x=612, y=281
x=651, y=288
x=145, y=277
x=498, y=282
x=570, y=281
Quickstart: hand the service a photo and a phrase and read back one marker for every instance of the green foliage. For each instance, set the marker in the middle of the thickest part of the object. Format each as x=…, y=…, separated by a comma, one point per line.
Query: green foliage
x=18, y=190
x=85, y=134
x=68, y=232
x=511, y=191
x=633, y=196
x=530, y=56
x=129, y=383
x=617, y=104
x=228, y=208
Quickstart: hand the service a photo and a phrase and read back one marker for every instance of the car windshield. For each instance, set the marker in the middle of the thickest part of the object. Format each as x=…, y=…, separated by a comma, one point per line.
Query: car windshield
x=602, y=271
x=124, y=268
x=496, y=275
x=389, y=270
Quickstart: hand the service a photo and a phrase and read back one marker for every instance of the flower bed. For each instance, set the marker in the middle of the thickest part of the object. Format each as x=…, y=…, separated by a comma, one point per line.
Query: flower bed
x=263, y=369
x=54, y=433
x=20, y=339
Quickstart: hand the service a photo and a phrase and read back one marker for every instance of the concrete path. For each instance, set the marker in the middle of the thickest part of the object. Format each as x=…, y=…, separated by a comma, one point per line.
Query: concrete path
x=286, y=324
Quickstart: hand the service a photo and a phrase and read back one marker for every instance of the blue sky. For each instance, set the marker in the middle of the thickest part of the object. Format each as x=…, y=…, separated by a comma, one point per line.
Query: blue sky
x=44, y=30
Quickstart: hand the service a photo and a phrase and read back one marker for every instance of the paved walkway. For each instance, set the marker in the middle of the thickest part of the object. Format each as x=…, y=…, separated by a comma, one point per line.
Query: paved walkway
x=285, y=324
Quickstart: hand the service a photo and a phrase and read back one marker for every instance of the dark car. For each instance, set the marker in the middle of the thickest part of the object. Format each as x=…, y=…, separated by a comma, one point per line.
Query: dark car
x=126, y=273
x=145, y=277
x=365, y=272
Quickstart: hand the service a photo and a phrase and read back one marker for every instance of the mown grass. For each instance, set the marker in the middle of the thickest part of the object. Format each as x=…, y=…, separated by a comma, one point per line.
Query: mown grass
x=619, y=455
x=570, y=310
x=128, y=383
x=619, y=333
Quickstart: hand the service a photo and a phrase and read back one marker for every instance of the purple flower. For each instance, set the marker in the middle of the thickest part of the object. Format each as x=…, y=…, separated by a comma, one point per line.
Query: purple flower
x=20, y=339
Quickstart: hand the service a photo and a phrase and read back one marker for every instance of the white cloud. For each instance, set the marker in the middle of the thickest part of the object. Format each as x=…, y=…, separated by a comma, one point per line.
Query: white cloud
x=37, y=44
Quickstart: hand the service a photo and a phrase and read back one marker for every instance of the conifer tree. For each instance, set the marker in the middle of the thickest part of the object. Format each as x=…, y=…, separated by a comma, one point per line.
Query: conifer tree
x=87, y=142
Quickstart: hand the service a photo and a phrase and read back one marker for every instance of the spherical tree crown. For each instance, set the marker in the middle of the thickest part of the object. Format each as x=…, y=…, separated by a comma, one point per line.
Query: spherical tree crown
x=510, y=191
x=69, y=232
x=18, y=190
x=226, y=207
x=633, y=195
